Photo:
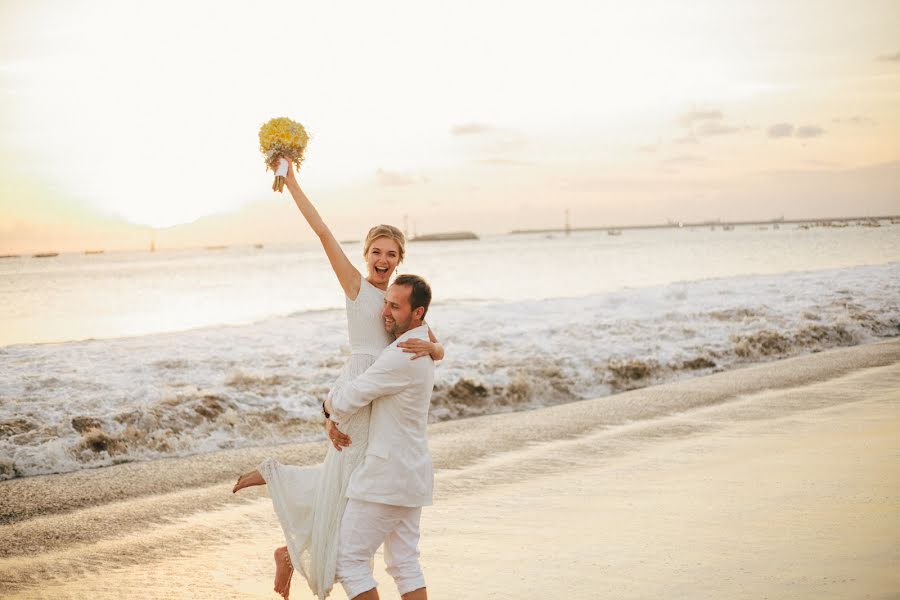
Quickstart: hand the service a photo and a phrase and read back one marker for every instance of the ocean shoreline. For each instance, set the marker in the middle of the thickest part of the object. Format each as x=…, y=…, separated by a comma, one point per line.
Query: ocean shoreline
x=300, y=453
x=82, y=405
x=527, y=482
x=224, y=461
x=89, y=487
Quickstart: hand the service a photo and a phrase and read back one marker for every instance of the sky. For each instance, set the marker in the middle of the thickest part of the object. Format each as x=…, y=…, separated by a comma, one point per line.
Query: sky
x=122, y=122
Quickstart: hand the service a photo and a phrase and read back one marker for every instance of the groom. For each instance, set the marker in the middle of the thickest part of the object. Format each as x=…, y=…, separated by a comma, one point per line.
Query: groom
x=387, y=491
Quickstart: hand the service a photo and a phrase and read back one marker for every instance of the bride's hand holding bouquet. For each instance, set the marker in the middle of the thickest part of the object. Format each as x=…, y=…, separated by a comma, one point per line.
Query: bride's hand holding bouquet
x=283, y=143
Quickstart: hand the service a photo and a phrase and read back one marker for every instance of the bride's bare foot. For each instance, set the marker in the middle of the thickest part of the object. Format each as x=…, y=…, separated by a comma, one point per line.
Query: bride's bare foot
x=283, y=571
x=248, y=479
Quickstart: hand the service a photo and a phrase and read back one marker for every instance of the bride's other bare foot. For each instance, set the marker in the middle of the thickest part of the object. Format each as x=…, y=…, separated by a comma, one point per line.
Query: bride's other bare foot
x=283, y=571
x=248, y=479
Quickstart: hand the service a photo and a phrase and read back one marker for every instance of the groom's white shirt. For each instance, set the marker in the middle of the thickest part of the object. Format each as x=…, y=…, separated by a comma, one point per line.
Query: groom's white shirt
x=397, y=467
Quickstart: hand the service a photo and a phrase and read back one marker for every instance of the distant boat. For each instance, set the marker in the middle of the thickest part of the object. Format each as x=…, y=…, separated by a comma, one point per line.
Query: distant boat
x=349, y=241
x=216, y=247
x=451, y=236
x=258, y=246
x=45, y=255
x=94, y=251
x=727, y=227
x=10, y=255
x=613, y=232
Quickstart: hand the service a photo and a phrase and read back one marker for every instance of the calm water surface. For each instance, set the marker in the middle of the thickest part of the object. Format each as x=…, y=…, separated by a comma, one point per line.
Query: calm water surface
x=76, y=296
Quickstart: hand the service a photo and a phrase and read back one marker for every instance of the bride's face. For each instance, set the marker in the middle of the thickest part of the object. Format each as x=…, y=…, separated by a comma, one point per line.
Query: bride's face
x=382, y=259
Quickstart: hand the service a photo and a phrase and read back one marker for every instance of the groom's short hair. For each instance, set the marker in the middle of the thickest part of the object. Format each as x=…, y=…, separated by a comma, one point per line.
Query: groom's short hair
x=420, y=291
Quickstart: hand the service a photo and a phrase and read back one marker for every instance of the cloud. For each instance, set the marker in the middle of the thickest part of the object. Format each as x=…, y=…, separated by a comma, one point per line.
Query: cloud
x=709, y=128
x=704, y=123
x=395, y=179
x=687, y=139
x=808, y=131
x=689, y=118
x=783, y=130
x=471, y=129
x=490, y=144
x=822, y=164
x=779, y=130
x=858, y=120
x=503, y=162
x=684, y=159
x=889, y=57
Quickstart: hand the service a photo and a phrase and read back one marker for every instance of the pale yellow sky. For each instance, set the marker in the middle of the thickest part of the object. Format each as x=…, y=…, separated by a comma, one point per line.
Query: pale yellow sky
x=475, y=115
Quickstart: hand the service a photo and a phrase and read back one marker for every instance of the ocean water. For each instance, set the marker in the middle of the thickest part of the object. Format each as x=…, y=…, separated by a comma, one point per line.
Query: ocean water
x=137, y=356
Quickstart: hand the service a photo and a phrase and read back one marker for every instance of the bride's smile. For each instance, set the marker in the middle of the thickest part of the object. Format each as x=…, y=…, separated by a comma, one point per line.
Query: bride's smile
x=381, y=260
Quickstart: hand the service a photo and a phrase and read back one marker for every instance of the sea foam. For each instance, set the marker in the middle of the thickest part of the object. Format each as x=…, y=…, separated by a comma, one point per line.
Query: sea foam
x=85, y=404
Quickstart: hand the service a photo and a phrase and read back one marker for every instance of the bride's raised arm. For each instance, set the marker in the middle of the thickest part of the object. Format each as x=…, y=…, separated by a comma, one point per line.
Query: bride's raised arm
x=348, y=276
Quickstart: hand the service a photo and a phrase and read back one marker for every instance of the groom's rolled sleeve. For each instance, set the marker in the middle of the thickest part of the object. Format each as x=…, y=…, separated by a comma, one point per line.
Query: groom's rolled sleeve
x=388, y=375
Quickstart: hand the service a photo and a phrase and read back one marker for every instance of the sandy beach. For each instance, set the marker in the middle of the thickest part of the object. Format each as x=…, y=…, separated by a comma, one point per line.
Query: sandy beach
x=773, y=481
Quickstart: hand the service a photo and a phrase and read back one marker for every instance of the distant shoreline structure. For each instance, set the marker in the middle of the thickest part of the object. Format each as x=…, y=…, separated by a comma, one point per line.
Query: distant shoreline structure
x=612, y=230
x=726, y=225
x=450, y=236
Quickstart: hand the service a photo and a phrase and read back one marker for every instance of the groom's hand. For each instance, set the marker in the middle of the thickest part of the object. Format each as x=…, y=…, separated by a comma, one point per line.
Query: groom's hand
x=338, y=439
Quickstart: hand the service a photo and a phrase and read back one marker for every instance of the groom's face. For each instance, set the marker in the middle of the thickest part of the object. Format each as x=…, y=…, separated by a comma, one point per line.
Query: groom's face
x=397, y=312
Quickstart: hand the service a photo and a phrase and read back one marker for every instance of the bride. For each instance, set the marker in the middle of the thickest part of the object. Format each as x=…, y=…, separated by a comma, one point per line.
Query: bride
x=310, y=501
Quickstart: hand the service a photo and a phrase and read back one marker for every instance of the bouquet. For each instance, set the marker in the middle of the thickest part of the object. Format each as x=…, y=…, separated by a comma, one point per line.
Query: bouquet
x=282, y=140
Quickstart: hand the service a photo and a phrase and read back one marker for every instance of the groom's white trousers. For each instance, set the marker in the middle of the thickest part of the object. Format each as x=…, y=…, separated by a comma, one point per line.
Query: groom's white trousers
x=364, y=527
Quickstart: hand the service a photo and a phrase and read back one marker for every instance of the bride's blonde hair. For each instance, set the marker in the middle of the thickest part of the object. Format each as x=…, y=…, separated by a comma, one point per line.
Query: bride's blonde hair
x=388, y=231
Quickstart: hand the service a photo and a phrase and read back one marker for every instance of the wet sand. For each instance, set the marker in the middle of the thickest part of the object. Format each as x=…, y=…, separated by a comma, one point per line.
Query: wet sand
x=779, y=481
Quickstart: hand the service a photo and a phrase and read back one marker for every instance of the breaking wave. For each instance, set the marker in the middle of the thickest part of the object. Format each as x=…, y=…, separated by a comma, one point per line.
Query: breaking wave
x=143, y=398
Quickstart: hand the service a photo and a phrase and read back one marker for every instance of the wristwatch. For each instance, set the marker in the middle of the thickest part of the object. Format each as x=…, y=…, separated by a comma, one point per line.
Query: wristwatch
x=325, y=412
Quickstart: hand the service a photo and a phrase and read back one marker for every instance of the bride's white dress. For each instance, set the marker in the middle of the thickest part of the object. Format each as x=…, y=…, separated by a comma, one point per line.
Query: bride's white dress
x=310, y=501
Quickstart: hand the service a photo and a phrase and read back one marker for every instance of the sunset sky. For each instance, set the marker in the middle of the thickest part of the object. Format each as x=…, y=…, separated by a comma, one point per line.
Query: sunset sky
x=120, y=120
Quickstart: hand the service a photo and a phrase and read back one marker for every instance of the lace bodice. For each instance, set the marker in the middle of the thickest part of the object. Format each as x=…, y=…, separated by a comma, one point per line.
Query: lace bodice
x=364, y=322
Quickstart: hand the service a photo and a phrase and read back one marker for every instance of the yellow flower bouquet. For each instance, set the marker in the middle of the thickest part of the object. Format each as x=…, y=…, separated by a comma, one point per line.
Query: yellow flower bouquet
x=282, y=140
